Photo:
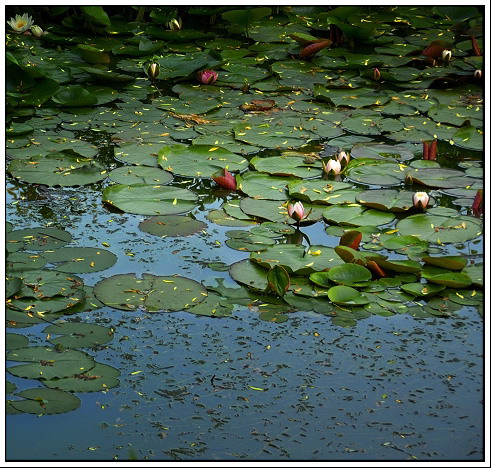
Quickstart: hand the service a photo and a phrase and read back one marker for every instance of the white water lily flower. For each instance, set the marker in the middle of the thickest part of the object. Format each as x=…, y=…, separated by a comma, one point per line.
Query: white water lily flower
x=21, y=23
x=333, y=167
x=420, y=200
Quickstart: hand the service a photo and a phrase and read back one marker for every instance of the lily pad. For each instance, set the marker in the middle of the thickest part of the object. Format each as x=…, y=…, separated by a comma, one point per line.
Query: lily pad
x=387, y=200
x=356, y=215
x=452, y=262
x=263, y=186
x=346, y=295
x=349, y=274
x=48, y=363
x=58, y=169
x=199, y=160
x=451, y=280
x=440, y=229
x=130, y=175
x=149, y=199
x=80, y=259
x=150, y=293
x=250, y=274
x=379, y=151
x=422, y=289
x=323, y=191
x=172, y=226
x=297, y=166
x=42, y=401
x=375, y=172
x=276, y=211
x=38, y=238
x=213, y=306
x=15, y=341
x=100, y=378
x=79, y=335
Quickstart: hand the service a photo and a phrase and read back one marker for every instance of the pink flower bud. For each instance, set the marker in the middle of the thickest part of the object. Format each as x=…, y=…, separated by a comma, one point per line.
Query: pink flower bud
x=376, y=74
x=296, y=211
x=420, y=200
x=343, y=158
x=333, y=167
x=207, y=76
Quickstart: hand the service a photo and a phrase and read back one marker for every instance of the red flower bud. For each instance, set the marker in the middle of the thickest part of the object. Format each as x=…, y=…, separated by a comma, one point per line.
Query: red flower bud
x=376, y=74
x=225, y=179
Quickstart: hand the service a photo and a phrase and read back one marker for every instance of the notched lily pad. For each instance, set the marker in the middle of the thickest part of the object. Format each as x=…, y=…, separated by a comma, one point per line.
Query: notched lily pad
x=80, y=259
x=172, y=226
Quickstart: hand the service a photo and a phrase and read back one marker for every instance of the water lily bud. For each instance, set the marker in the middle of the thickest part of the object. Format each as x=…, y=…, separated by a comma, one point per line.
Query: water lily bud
x=153, y=70
x=420, y=200
x=376, y=74
x=446, y=56
x=343, y=158
x=175, y=24
x=477, y=74
x=225, y=179
x=477, y=204
x=207, y=76
x=296, y=211
x=333, y=167
x=408, y=180
x=37, y=30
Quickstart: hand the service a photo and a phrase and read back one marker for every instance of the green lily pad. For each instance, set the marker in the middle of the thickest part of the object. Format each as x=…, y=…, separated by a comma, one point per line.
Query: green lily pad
x=80, y=259
x=15, y=341
x=199, y=160
x=440, y=178
x=172, y=226
x=38, y=238
x=476, y=272
x=151, y=293
x=149, y=199
x=100, y=378
x=248, y=241
x=79, y=335
x=469, y=137
x=108, y=75
x=350, y=255
x=356, y=215
x=222, y=218
x=47, y=363
x=452, y=262
x=451, y=280
x=404, y=244
x=276, y=211
x=42, y=401
x=375, y=172
x=322, y=191
x=130, y=175
x=387, y=200
x=250, y=274
x=349, y=274
x=422, y=289
x=379, y=151
x=74, y=96
x=263, y=186
x=58, y=169
x=275, y=136
x=400, y=266
x=287, y=166
x=42, y=284
x=10, y=388
x=138, y=154
x=466, y=297
x=346, y=295
x=292, y=258
x=22, y=261
x=440, y=229
x=213, y=306
x=31, y=307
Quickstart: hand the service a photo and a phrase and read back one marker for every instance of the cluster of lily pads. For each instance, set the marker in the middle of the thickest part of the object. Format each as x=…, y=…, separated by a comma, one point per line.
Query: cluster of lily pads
x=261, y=102
x=37, y=295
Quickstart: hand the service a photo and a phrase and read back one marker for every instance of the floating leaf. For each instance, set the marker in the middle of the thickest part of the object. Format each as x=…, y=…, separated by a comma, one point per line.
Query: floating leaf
x=80, y=259
x=44, y=401
x=171, y=226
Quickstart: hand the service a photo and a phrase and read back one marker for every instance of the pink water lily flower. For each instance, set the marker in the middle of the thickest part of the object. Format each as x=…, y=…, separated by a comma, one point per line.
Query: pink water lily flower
x=333, y=167
x=207, y=76
x=297, y=212
x=421, y=200
x=343, y=158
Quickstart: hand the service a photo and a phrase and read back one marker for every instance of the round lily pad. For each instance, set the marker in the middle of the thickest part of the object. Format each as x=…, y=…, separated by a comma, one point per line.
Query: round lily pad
x=42, y=284
x=263, y=186
x=79, y=335
x=130, y=175
x=441, y=177
x=277, y=211
x=250, y=274
x=356, y=215
x=58, y=169
x=440, y=229
x=172, y=226
x=451, y=280
x=476, y=272
x=222, y=218
x=375, y=172
x=379, y=151
x=44, y=401
x=284, y=165
x=149, y=199
x=48, y=363
x=346, y=295
x=138, y=154
x=452, y=262
x=22, y=261
x=322, y=191
x=387, y=200
x=349, y=274
x=39, y=238
x=33, y=307
x=151, y=293
x=199, y=160
x=80, y=259
x=248, y=241
x=422, y=289
x=213, y=306
x=466, y=297
x=297, y=259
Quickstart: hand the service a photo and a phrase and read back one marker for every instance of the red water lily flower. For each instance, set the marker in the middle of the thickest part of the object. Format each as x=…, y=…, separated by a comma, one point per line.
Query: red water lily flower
x=207, y=76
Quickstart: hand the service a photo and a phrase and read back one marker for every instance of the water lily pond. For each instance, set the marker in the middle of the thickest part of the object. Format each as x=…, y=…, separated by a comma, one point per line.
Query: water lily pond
x=244, y=233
